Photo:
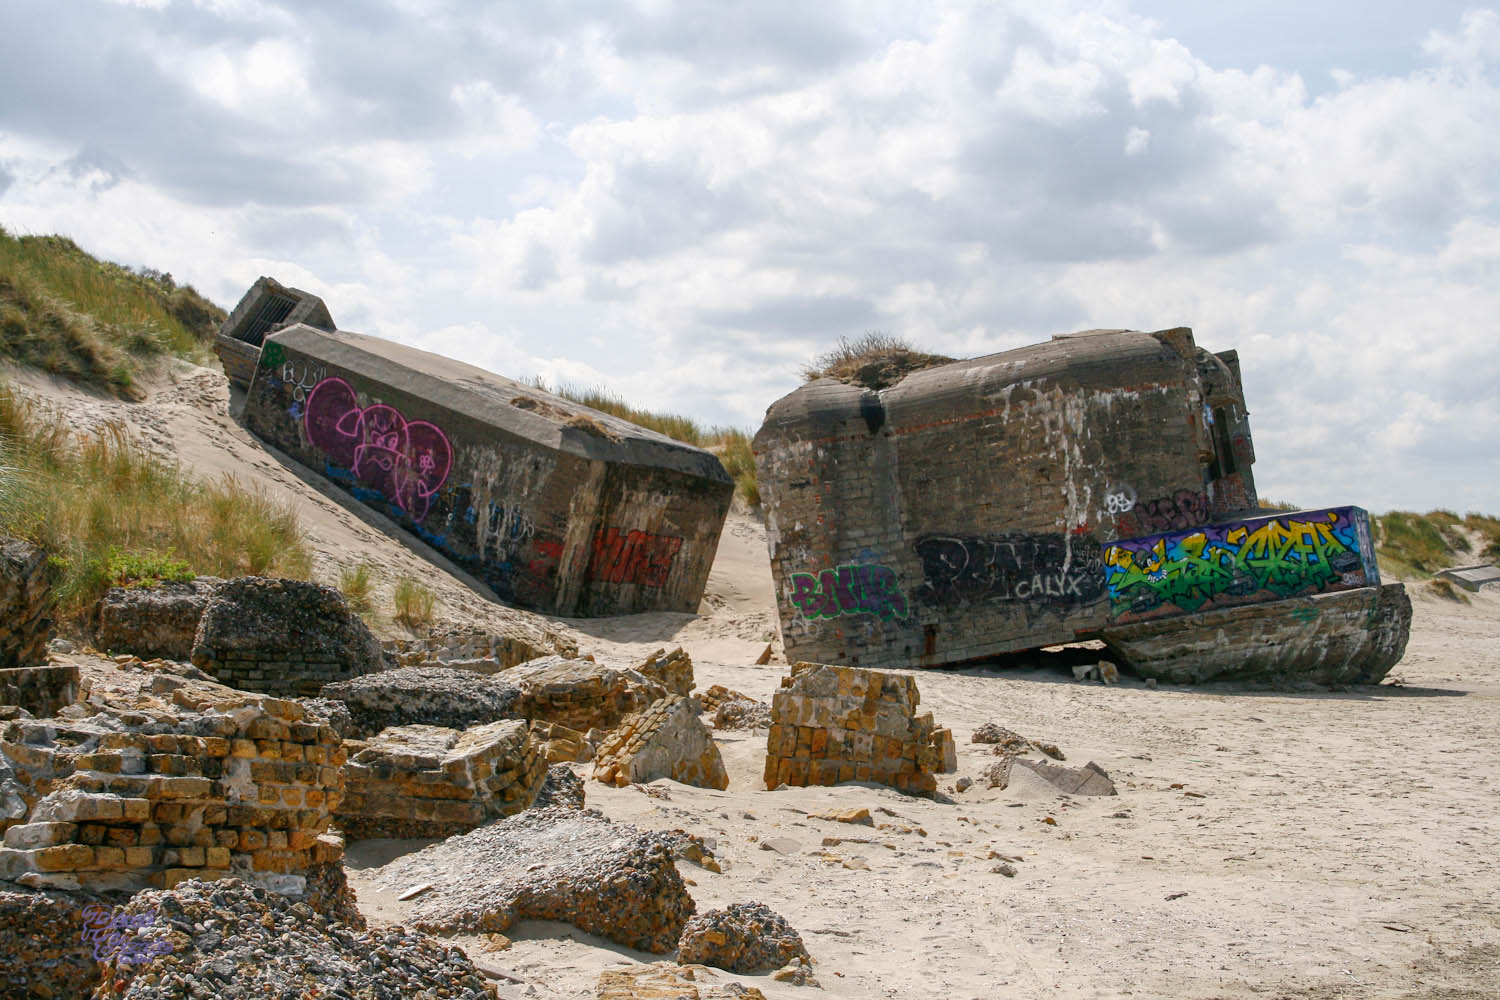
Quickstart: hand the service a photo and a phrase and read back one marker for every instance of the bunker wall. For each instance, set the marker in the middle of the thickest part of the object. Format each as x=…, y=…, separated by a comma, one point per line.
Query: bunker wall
x=964, y=511
x=553, y=506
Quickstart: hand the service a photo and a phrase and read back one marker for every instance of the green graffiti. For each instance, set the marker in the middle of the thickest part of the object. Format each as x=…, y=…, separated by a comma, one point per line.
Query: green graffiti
x=272, y=355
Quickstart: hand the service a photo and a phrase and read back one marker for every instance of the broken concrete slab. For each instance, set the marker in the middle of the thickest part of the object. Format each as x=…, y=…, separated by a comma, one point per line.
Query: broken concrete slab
x=1347, y=637
x=580, y=694
x=1472, y=577
x=554, y=506
x=436, y=696
x=667, y=740
x=742, y=937
x=550, y=864
x=1090, y=779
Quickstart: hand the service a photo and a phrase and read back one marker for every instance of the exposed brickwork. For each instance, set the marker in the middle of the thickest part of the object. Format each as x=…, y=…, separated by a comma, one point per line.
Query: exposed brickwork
x=580, y=694
x=667, y=740
x=25, y=602
x=831, y=724
x=427, y=781
x=159, y=621
x=961, y=512
x=245, y=785
x=481, y=652
x=282, y=637
x=41, y=690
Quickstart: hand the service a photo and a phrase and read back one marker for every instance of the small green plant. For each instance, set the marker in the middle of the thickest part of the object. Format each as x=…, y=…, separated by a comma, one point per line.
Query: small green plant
x=356, y=583
x=413, y=603
x=142, y=569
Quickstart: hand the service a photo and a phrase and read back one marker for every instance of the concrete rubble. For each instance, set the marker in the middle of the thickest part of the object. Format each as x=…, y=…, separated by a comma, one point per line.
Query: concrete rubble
x=429, y=781
x=832, y=724
x=742, y=937
x=580, y=694
x=667, y=740
x=25, y=604
x=160, y=621
x=550, y=864
x=665, y=981
x=431, y=695
x=282, y=637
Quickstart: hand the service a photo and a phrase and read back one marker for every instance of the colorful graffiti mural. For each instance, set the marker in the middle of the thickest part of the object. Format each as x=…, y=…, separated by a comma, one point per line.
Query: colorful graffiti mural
x=1274, y=557
x=1045, y=570
x=637, y=557
x=405, y=462
x=859, y=589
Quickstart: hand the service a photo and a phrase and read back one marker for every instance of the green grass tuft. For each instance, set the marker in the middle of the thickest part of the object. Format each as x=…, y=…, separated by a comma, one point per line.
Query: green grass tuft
x=108, y=513
x=730, y=444
x=92, y=321
x=357, y=584
x=413, y=603
x=876, y=361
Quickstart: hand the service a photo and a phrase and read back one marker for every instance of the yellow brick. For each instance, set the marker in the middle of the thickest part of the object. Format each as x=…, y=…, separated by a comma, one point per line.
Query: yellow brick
x=109, y=858
x=244, y=748
x=140, y=857
x=216, y=857
x=65, y=857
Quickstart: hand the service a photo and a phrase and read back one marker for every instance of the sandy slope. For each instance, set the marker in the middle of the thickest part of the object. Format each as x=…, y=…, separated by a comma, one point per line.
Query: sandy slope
x=1344, y=845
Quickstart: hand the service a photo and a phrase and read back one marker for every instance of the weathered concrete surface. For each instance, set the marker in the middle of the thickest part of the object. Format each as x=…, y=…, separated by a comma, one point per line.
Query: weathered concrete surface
x=266, y=307
x=1347, y=637
x=580, y=694
x=25, y=603
x=962, y=512
x=150, y=622
x=1472, y=577
x=433, y=696
x=742, y=937
x=282, y=637
x=554, y=506
x=551, y=864
x=42, y=690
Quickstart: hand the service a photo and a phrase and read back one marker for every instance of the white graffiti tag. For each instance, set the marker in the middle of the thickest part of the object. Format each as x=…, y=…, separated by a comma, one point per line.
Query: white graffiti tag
x=1120, y=500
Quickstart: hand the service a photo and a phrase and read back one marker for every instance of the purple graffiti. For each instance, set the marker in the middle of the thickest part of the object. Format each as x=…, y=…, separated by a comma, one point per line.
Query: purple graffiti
x=407, y=461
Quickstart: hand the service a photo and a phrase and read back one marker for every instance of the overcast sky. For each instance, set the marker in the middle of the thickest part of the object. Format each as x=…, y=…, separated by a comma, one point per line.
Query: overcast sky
x=684, y=202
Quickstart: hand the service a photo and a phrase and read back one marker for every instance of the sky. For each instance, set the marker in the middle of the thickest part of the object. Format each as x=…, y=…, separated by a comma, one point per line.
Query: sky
x=685, y=202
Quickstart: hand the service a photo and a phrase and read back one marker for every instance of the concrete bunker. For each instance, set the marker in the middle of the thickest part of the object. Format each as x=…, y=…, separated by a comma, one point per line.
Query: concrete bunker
x=554, y=506
x=267, y=307
x=973, y=508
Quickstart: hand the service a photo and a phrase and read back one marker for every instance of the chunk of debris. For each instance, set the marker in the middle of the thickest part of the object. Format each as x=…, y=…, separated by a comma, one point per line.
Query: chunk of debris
x=433, y=696
x=580, y=694
x=742, y=937
x=430, y=781
x=667, y=740
x=562, y=787
x=1090, y=779
x=156, y=621
x=282, y=637
x=551, y=864
x=561, y=745
x=673, y=671
x=831, y=724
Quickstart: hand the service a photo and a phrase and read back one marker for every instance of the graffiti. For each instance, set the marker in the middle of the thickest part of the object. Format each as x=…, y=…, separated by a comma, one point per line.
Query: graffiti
x=1120, y=500
x=111, y=933
x=1280, y=556
x=272, y=355
x=861, y=589
x=1044, y=570
x=303, y=380
x=405, y=462
x=506, y=530
x=638, y=557
x=1183, y=509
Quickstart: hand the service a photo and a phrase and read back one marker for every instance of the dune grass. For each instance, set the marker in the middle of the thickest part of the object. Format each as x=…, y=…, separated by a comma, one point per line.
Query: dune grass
x=730, y=444
x=413, y=603
x=91, y=321
x=109, y=514
x=1419, y=545
x=875, y=360
x=357, y=584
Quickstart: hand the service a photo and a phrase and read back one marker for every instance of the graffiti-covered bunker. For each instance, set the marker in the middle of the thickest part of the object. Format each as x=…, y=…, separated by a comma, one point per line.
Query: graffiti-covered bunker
x=1098, y=485
x=555, y=506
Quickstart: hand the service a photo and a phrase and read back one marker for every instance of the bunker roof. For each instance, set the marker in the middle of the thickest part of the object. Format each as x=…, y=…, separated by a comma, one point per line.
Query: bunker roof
x=504, y=404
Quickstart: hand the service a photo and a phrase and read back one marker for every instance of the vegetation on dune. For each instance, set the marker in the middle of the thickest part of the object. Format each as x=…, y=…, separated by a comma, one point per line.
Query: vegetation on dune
x=357, y=584
x=413, y=603
x=97, y=323
x=109, y=514
x=876, y=361
x=730, y=444
x=1419, y=545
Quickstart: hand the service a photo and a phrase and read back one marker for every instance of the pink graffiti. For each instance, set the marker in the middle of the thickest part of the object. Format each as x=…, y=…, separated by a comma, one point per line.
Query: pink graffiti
x=407, y=461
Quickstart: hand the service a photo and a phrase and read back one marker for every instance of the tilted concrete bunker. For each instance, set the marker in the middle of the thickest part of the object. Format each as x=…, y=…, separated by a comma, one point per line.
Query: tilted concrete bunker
x=555, y=506
x=970, y=509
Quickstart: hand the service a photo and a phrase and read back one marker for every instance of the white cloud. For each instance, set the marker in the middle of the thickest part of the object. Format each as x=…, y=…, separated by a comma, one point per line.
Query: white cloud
x=685, y=207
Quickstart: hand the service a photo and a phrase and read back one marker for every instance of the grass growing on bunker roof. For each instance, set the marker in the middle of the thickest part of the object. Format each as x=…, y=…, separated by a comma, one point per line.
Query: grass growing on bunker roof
x=109, y=514
x=875, y=360
x=730, y=444
x=91, y=321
